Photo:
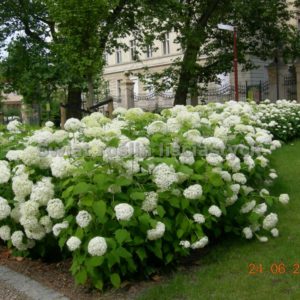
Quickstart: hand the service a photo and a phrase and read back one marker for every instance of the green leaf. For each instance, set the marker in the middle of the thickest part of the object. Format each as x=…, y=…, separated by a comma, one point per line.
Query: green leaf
x=98, y=284
x=79, y=233
x=94, y=261
x=99, y=208
x=137, y=196
x=160, y=210
x=199, y=166
x=81, y=188
x=185, y=170
x=81, y=276
x=122, y=235
x=175, y=202
x=115, y=280
x=123, y=181
x=141, y=253
x=180, y=233
x=87, y=200
x=185, y=203
x=122, y=252
x=215, y=179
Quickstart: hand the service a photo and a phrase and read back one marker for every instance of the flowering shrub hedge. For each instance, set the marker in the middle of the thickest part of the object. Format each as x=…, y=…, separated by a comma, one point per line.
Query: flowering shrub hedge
x=282, y=118
x=127, y=195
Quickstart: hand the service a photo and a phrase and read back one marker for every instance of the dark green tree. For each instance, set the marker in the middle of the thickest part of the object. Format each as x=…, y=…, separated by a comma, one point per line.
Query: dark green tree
x=263, y=28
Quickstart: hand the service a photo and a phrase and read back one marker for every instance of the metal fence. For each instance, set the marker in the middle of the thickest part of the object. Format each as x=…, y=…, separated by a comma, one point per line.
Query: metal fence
x=290, y=87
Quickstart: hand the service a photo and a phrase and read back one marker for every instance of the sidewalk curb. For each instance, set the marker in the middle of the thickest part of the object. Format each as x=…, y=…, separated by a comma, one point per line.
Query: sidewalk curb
x=28, y=286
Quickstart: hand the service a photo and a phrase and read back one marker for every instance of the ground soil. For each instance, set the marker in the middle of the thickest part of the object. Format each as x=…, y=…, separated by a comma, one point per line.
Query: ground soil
x=56, y=275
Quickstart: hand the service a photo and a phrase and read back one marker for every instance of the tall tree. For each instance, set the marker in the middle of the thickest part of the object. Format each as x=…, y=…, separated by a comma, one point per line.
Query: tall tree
x=263, y=27
x=75, y=34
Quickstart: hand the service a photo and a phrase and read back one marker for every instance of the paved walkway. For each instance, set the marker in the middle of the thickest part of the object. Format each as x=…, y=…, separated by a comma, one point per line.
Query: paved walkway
x=16, y=286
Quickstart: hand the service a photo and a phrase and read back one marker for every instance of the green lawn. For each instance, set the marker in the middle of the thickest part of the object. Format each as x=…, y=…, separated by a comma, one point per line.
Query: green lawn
x=223, y=272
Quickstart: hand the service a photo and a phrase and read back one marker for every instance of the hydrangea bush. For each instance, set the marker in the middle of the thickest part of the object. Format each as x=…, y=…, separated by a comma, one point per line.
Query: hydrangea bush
x=281, y=118
x=127, y=195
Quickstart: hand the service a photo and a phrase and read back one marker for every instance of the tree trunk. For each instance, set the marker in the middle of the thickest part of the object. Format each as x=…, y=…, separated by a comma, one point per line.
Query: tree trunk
x=187, y=71
x=73, y=105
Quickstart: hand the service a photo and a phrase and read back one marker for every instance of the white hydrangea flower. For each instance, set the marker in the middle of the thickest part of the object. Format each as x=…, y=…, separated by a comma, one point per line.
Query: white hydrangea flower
x=97, y=246
x=270, y=221
x=13, y=155
x=213, y=142
x=49, y=124
x=132, y=166
x=247, y=233
x=260, y=209
x=61, y=167
x=73, y=243
x=275, y=232
x=248, y=160
x=233, y=162
x=157, y=127
x=235, y=188
x=73, y=125
x=201, y=243
x=193, y=192
x=247, y=207
x=187, y=158
x=83, y=218
x=5, y=233
x=29, y=208
x=41, y=138
x=273, y=175
x=193, y=136
x=36, y=233
x=150, y=202
x=4, y=172
x=164, y=176
x=199, y=218
x=55, y=208
x=239, y=178
x=31, y=156
x=17, y=240
x=42, y=191
x=262, y=161
x=14, y=126
x=185, y=244
x=231, y=200
x=59, y=136
x=157, y=232
x=263, y=239
x=46, y=222
x=215, y=211
x=284, y=198
x=4, y=209
x=57, y=228
x=214, y=159
x=124, y=211
x=95, y=148
x=264, y=192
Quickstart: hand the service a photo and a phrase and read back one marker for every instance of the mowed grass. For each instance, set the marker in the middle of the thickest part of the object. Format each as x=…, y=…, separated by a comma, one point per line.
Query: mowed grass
x=224, y=272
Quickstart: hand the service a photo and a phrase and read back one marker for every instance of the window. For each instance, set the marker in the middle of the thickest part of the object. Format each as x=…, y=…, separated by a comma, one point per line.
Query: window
x=105, y=57
x=166, y=44
x=133, y=52
x=136, y=84
x=118, y=55
x=149, y=51
x=119, y=90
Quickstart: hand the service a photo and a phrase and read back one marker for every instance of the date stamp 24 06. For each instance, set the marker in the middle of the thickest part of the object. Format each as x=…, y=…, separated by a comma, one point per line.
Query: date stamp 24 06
x=274, y=268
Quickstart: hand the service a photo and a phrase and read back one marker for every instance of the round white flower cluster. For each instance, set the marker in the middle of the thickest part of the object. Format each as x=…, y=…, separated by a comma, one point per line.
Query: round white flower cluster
x=4, y=208
x=247, y=207
x=157, y=232
x=284, y=198
x=193, y=192
x=73, y=243
x=215, y=211
x=61, y=167
x=214, y=159
x=200, y=244
x=164, y=176
x=14, y=126
x=4, y=171
x=5, y=233
x=42, y=191
x=73, y=125
x=124, y=211
x=83, y=219
x=58, y=227
x=187, y=158
x=97, y=246
x=199, y=218
x=150, y=202
x=56, y=209
x=270, y=221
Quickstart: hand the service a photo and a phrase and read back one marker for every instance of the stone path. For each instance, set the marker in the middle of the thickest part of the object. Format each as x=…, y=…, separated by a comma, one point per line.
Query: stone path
x=16, y=286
